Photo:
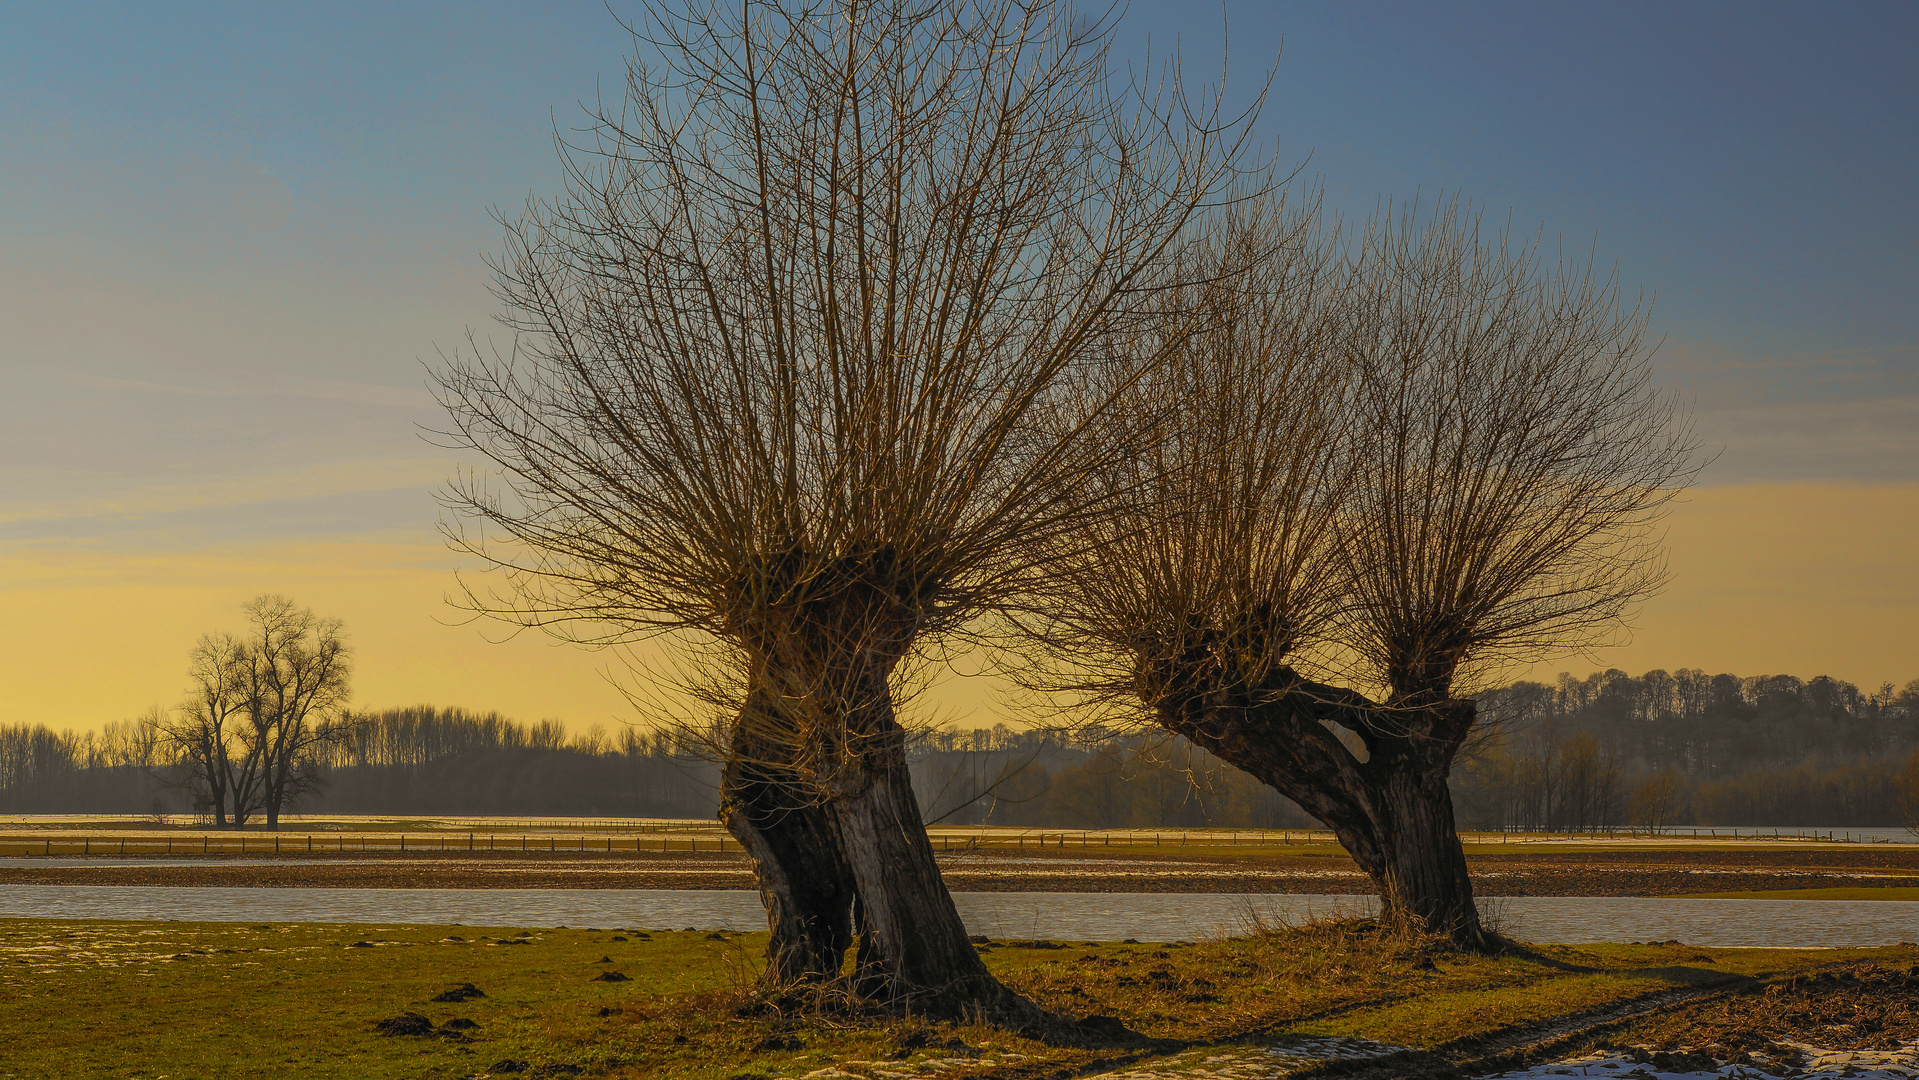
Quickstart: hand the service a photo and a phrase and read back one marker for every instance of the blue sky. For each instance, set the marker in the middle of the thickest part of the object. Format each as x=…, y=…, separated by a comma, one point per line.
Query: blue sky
x=231, y=234
x=233, y=231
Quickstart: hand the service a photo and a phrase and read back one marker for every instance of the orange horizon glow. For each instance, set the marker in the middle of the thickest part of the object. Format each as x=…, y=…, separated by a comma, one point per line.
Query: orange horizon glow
x=1799, y=579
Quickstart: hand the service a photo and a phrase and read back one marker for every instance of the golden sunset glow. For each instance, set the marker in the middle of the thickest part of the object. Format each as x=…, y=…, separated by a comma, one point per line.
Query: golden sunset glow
x=1802, y=578
x=137, y=618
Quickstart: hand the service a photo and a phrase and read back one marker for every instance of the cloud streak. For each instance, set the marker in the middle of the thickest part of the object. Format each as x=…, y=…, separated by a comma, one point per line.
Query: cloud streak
x=1860, y=440
x=314, y=481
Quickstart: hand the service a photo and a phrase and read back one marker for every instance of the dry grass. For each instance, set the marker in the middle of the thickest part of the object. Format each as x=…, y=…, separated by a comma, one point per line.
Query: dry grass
x=209, y=999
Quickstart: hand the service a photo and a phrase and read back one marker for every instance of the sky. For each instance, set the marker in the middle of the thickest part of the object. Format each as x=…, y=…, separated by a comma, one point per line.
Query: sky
x=235, y=238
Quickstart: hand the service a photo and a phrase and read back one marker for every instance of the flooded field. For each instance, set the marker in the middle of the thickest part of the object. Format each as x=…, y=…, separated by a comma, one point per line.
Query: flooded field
x=1079, y=916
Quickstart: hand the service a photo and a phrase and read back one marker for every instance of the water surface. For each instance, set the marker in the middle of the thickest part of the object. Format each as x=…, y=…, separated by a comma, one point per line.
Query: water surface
x=1071, y=916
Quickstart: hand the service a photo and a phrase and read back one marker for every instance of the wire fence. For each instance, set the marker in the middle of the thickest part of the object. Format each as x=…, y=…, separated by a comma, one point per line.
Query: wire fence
x=612, y=836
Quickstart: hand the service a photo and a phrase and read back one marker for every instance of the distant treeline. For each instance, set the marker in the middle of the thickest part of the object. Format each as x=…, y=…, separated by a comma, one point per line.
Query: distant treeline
x=417, y=760
x=107, y=772
x=1607, y=751
x=423, y=760
x=997, y=776
x=1688, y=748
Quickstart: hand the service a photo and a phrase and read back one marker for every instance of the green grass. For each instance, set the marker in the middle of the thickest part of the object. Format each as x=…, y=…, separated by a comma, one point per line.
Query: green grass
x=1890, y=893
x=147, y=1000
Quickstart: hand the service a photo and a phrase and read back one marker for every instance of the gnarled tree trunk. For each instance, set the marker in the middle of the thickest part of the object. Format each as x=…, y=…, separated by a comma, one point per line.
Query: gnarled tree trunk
x=805, y=883
x=913, y=946
x=1393, y=812
x=818, y=791
x=1423, y=880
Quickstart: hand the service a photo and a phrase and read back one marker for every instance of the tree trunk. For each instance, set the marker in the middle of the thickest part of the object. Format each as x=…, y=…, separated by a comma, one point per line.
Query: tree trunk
x=804, y=881
x=279, y=781
x=217, y=795
x=1423, y=882
x=913, y=950
x=817, y=789
x=1393, y=813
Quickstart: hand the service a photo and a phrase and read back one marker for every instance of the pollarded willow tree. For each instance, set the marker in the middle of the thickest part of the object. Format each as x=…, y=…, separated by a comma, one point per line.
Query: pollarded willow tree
x=1430, y=454
x=807, y=356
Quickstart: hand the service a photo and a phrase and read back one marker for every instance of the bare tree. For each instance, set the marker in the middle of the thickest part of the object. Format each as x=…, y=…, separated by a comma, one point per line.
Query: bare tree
x=1656, y=800
x=261, y=708
x=218, y=765
x=296, y=680
x=805, y=356
x=1436, y=457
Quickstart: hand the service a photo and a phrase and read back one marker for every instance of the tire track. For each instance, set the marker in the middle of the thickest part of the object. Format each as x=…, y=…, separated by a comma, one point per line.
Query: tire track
x=1503, y=1050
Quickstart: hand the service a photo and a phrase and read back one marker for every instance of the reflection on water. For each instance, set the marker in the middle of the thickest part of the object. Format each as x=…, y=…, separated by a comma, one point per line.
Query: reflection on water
x=1081, y=916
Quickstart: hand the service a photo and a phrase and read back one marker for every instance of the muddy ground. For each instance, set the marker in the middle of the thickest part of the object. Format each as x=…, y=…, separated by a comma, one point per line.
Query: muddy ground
x=1624, y=872
x=1862, y=1007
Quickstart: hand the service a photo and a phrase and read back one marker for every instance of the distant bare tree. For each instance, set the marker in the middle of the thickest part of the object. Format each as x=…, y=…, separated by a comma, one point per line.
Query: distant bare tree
x=1438, y=455
x=296, y=679
x=1655, y=801
x=262, y=708
x=806, y=357
x=208, y=733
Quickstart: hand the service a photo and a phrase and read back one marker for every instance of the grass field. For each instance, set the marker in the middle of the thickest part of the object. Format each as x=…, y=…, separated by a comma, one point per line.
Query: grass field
x=152, y=1000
